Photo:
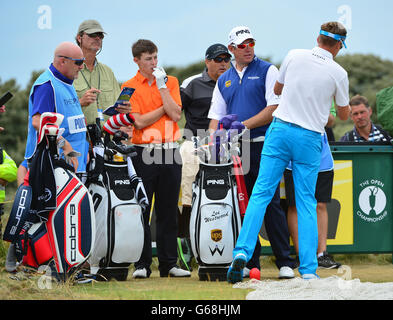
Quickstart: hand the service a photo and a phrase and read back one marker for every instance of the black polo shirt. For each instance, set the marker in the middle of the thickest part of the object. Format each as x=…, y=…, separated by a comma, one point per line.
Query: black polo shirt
x=196, y=94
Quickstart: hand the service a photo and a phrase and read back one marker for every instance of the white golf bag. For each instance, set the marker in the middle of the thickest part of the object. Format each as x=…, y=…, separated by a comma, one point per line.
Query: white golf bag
x=119, y=200
x=215, y=217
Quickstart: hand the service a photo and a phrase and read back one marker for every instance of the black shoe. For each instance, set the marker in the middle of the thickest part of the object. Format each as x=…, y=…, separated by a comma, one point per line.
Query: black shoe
x=326, y=261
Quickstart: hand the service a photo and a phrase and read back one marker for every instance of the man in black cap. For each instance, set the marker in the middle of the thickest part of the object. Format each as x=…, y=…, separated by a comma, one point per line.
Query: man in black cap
x=96, y=85
x=196, y=93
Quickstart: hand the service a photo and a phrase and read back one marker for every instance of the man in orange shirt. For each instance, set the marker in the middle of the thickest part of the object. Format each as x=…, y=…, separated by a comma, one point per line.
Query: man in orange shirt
x=156, y=107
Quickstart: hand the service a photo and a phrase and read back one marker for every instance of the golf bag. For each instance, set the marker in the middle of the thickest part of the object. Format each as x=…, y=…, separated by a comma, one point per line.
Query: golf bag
x=119, y=201
x=51, y=221
x=215, y=214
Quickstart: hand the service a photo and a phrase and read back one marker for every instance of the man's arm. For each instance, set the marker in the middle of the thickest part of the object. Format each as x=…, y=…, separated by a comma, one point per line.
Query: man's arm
x=213, y=125
x=342, y=99
x=343, y=112
x=171, y=108
x=278, y=88
x=331, y=120
x=262, y=118
x=145, y=120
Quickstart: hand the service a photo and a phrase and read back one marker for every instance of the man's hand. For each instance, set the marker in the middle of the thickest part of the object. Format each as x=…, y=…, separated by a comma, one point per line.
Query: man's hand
x=70, y=156
x=89, y=97
x=125, y=107
x=161, y=77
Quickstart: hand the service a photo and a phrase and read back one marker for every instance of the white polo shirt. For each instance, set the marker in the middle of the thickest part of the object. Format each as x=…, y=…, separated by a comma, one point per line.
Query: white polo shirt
x=312, y=80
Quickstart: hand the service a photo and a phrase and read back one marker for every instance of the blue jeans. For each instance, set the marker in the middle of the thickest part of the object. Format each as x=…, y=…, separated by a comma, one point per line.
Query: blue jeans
x=286, y=142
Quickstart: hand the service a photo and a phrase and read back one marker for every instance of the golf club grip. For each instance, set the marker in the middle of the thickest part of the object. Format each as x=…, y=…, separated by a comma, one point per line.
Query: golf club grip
x=5, y=98
x=241, y=186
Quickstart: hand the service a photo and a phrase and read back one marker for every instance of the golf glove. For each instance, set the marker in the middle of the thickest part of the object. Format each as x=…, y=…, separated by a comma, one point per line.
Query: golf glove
x=161, y=77
x=226, y=121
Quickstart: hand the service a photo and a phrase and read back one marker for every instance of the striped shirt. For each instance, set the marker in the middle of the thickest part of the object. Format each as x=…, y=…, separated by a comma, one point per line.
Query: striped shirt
x=376, y=134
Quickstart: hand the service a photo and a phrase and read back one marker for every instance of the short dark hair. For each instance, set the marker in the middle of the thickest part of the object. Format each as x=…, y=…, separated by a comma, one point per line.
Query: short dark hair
x=357, y=100
x=332, y=27
x=142, y=46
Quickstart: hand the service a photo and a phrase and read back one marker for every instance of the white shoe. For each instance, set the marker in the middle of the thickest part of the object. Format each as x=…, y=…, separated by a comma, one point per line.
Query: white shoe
x=177, y=272
x=246, y=272
x=286, y=273
x=140, y=274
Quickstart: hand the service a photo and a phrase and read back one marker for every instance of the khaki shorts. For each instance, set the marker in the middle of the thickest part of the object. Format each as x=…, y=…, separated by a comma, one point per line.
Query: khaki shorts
x=189, y=170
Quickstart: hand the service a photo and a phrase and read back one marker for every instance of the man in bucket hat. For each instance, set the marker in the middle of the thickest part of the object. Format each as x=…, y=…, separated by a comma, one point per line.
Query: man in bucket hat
x=96, y=86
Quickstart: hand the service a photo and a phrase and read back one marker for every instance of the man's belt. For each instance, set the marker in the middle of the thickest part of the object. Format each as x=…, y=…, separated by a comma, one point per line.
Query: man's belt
x=256, y=139
x=165, y=145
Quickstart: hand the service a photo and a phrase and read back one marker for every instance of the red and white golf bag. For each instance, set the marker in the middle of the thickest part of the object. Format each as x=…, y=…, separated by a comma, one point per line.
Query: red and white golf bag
x=60, y=234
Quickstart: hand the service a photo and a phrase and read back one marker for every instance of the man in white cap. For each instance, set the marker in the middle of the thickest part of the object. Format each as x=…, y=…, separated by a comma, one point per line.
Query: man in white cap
x=96, y=86
x=246, y=90
x=308, y=82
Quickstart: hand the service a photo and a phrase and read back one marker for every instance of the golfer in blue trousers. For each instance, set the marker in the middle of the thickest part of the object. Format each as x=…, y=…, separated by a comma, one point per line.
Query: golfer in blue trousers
x=307, y=83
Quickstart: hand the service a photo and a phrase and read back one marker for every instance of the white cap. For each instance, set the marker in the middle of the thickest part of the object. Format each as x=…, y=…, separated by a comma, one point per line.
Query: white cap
x=239, y=34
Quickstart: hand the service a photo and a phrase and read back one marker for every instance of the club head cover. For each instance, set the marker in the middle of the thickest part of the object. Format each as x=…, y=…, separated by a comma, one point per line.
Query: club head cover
x=55, y=119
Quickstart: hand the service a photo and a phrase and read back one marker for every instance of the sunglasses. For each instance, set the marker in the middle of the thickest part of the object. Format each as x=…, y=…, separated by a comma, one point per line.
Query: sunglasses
x=243, y=46
x=97, y=34
x=78, y=62
x=221, y=59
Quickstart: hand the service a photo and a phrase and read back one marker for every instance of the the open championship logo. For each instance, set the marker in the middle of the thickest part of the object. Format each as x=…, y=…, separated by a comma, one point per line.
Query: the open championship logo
x=372, y=201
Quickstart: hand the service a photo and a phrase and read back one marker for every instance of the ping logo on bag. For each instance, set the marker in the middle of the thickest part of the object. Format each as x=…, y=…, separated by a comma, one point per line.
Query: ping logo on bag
x=215, y=182
x=216, y=186
x=122, y=182
x=216, y=235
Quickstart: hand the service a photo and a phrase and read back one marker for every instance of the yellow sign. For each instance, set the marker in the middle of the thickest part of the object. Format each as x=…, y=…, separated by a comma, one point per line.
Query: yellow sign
x=340, y=210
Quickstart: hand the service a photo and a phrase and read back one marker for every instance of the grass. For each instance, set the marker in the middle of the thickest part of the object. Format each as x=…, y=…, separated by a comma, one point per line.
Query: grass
x=367, y=268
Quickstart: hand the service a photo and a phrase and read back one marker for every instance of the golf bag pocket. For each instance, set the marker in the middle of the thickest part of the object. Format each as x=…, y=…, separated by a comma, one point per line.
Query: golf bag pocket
x=71, y=226
x=36, y=246
x=119, y=223
x=216, y=236
x=215, y=219
x=129, y=235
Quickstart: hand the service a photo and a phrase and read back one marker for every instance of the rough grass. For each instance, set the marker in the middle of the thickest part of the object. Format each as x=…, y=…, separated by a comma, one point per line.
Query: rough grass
x=367, y=268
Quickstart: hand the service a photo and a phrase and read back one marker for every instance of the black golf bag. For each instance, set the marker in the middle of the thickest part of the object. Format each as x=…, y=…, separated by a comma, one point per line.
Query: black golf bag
x=52, y=221
x=119, y=200
x=215, y=216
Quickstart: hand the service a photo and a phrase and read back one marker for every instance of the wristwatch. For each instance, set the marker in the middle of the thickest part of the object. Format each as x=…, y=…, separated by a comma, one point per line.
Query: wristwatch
x=61, y=142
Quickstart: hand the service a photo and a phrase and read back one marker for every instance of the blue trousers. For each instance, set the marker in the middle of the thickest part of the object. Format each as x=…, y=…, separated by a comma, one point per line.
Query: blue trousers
x=275, y=218
x=286, y=142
